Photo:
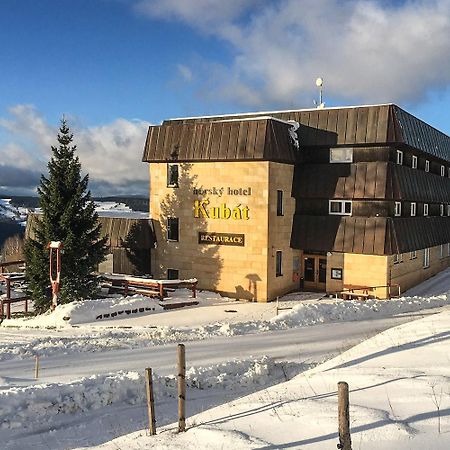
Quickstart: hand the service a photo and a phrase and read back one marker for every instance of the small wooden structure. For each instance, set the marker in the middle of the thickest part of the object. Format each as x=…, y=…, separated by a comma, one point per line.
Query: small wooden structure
x=10, y=279
x=129, y=285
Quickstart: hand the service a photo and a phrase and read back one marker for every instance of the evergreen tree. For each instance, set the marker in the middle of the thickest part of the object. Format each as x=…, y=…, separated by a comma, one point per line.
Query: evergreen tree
x=68, y=215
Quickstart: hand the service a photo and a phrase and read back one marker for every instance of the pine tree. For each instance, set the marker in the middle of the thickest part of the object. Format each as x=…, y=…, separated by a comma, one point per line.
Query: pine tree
x=68, y=215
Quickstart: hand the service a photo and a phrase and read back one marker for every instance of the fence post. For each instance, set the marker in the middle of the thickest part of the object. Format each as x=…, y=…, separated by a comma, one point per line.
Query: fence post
x=181, y=388
x=277, y=306
x=150, y=401
x=36, y=367
x=345, y=442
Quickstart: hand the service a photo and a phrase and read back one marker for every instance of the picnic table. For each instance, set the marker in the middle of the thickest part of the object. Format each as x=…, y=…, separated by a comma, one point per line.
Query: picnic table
x=128, y=284
x=359, y=292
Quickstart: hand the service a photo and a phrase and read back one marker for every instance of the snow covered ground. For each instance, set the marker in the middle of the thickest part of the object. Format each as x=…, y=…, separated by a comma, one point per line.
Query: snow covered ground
x=90, y=388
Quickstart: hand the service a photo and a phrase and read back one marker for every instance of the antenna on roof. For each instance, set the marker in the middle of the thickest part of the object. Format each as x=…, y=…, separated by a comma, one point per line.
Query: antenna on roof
x=319, y=84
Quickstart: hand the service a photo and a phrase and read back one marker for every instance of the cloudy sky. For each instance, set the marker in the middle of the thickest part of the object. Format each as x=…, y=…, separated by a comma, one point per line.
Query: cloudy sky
x=113, y=67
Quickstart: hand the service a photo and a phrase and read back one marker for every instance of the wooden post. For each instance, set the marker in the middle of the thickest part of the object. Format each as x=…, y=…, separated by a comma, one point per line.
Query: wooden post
x=150, y=402
x=345, y=442
x=194, y=290
x=277, y=306
x=36, y=368
x=181, y=388
x=8, y=290
x=161, y=291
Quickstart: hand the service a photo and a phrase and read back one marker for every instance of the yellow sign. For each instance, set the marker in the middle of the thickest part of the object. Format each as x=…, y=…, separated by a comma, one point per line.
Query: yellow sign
x=202, y=210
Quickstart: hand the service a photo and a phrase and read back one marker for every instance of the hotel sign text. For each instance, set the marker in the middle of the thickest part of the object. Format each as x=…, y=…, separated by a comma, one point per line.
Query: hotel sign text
x=221, y=239
x=202, y=210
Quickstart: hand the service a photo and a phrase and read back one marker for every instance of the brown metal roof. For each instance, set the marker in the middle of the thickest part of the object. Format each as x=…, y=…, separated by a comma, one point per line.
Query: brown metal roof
x=376, y=124
x=369, y=235
x=258, y=139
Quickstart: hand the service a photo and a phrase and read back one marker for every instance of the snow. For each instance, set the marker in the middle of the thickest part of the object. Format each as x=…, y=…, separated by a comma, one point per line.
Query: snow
x=17, y=214
x=255, y=379
x=398, y=380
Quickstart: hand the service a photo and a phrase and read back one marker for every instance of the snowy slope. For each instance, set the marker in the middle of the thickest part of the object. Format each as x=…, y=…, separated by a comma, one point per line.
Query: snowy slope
x=398, y=394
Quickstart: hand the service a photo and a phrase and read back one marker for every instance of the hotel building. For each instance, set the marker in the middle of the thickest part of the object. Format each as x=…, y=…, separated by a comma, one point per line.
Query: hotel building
x=258, y=205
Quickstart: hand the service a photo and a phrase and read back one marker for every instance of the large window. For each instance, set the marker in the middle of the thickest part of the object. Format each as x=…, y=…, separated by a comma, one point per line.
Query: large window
x=172, y=229
x=341, y=155
x=280, y=203
x=398, y=208
x=340, y=207
x=426, y=258
x=279, y=263
x=172, y=175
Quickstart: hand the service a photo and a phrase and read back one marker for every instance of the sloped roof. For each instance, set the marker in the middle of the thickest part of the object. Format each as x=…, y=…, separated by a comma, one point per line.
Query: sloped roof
x=238, y=137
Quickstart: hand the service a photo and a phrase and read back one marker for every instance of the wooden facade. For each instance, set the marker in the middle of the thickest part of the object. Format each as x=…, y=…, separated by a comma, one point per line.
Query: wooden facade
x=129, y=242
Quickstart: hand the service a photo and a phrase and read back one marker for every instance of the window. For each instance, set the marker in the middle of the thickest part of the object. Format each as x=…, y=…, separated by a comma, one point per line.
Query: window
x=398, y=258
x=426, y=258
x=278, y=264
x=448, y=210
x=448, y=249
x=441, y=207
x=448, y=172
x=425, y=209
x=427, y=165
x=413, y=255
x=399, y=157
x=441, y=251
x=341, y=155
x=340, y=207
x=398, y=209
x=414, y=162
x=172, y=175
x=172, y=274
x=442, y=171
x=279, y=203
x=413, y=209
x=172, y=229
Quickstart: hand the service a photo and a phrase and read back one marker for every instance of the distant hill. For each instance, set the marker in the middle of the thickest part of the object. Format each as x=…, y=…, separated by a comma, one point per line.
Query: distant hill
x=136, y=203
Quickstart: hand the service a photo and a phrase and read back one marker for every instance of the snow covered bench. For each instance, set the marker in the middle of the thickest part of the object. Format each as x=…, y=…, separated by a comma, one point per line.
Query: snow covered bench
x=127, y=284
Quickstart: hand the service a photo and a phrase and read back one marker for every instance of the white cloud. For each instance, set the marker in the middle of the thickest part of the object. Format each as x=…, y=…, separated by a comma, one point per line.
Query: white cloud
x=366, y=50
x=110, y=153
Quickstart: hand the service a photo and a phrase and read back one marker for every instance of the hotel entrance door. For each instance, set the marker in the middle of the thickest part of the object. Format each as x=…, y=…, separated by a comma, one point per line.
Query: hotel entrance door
x=315, y=272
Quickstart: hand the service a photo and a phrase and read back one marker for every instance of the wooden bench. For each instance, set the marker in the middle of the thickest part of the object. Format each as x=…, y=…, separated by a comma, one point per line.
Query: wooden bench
x=126, y=284
x=358, y=292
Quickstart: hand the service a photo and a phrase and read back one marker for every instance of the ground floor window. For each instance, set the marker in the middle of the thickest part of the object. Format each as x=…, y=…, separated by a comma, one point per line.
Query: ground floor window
x=441, y=251
x=279, y=264
x=172, y=274
x=172, y=229
x=426, y=258
x=413, y=255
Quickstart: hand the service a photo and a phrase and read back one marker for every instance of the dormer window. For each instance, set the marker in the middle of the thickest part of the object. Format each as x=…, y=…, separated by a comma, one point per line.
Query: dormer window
x=427, y=165
x=414, y=162
x=399, y=157
x=340, y=207
x=425, y=209
x=341, y=155
x=442, y=171
x=398, y=209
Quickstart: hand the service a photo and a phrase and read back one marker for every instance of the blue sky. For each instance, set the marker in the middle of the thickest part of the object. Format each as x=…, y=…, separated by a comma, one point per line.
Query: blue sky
x=114, y=66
